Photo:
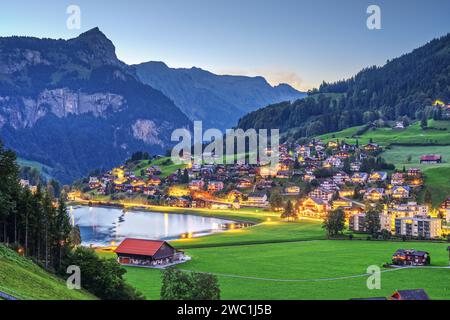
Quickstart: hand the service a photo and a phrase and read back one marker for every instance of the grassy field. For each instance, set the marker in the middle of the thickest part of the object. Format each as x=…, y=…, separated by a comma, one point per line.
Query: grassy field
x=309, y=268
x=23, y=279
x=437, y=175
x=322, y=269
x=413, y=134
x=166, y=169
x=403, y=144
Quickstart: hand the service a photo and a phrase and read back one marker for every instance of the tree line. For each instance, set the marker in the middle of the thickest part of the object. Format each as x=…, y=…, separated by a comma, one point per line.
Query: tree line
x=37, y=225
x=403, y=87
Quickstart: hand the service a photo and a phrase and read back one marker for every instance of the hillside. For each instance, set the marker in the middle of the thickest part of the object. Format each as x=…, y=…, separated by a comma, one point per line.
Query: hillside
x=403, y=148
x=438, y=133
x=23, y=279
x=218, y=100
x=74, y=106
x=404, y=86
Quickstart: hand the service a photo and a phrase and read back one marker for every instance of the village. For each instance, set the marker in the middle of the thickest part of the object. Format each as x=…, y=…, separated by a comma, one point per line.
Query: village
x=310, y=181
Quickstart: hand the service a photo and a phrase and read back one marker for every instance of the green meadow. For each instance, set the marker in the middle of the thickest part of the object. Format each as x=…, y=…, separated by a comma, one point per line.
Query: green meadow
x=437, y=176
x=294, y=260
x=21, y=278
x=403, y=148
x=439, y=133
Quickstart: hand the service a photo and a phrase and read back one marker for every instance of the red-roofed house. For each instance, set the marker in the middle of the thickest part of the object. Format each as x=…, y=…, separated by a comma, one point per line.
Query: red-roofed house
x=140, y=252
x=431, y=158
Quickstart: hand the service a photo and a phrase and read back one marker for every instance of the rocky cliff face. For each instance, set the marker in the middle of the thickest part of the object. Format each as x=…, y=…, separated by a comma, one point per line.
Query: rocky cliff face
x=76, y=107
x=23, y=112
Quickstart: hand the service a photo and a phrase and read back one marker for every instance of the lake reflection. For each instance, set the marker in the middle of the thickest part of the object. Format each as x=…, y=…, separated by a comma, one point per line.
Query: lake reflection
x=100, y=226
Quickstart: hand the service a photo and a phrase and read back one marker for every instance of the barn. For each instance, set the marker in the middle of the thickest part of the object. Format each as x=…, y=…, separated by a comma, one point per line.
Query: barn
x=150, y=253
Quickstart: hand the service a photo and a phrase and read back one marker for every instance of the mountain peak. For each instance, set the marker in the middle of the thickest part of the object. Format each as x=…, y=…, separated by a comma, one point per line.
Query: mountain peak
x=98, y=43
x=94, y=32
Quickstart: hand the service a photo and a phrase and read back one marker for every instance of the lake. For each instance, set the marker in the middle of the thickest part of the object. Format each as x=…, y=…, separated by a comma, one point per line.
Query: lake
x=101, y=226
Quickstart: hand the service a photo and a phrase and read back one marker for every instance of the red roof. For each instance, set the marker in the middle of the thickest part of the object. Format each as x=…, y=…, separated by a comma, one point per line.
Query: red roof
x=139, y=246
x=431, y=157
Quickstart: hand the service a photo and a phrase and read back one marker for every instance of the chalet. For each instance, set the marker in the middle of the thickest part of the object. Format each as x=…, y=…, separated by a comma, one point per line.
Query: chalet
x=371, y=147
x=431, y=159
x=267, y=171
x=329, y=184
x=180, y=202
x=400, y=192
x=342, y=155
x=398, y=179
x=342, y=203
x=347, y=192
x=150, y=191
x=418, y=294
x=309, y=177
x=138, y=186
x=154, y=181
x=333, y=162
x=215, y=186
x=257, y=199
x=292, y=190
x=347, y=146
x=341, y=178
x=304, y=151
x=414, y=172
x=196, y=185
x=359, y=177
x=94, y=183
x=399, y=125
x=153, y=170
x=374, y=194
x=286, y=164
x=418, y=227
x=243, y=170
x=324, y=194
x=283, y=174
x=404, y=257
x=313, y=207
x=264, y=184
x=332, y=144
x=243, y=183
x=415, y=182
x=377, y=176
x=149, y=253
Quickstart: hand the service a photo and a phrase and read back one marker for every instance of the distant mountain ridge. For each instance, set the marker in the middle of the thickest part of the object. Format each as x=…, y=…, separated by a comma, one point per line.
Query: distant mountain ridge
x=72, y=104
x=218, y=100
x=403, y=87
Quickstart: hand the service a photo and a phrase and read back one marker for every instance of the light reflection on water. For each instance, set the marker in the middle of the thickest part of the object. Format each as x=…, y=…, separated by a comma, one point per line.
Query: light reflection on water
x=100, y=226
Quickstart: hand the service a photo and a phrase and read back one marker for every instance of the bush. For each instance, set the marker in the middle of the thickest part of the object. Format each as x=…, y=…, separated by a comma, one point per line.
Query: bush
x=101, y=277
x=179, y=285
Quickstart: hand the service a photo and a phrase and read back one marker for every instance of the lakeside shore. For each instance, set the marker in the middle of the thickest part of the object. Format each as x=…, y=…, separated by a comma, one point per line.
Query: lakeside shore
x=245, y=215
